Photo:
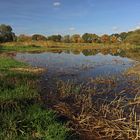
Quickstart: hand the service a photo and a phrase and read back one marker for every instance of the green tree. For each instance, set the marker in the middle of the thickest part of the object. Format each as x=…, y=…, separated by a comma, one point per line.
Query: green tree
x=55, y=38
x=95, y=38
x=6, y=34
x=123, y=36
x=5, y=28
x=89, y=38
x=38, y=37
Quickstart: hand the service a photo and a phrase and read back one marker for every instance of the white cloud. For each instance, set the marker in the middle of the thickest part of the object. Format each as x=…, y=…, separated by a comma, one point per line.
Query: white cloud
x=115, y=28
x=135, y=27
x=71, y=28
x=56, y=4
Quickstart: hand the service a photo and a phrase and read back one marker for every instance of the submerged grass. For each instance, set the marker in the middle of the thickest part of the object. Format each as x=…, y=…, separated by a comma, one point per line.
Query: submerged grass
x=21, y=114
x=93, y=114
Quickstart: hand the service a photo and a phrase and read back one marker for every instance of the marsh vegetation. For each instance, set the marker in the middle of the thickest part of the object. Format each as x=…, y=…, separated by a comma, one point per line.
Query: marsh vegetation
x=61, y=88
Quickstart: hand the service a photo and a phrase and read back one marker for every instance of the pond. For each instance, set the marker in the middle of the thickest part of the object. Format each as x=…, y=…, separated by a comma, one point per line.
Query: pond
x=67, y=65
x=80, y=68
x=87, y=88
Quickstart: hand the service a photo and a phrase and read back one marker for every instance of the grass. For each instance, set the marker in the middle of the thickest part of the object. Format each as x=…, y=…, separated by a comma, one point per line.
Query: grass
x=134, y=70
x=31, y=122
x=6, y=63
x=122, y=49
x=34, y=46
x=92, y=115
x=86, y=107
x=21, y=113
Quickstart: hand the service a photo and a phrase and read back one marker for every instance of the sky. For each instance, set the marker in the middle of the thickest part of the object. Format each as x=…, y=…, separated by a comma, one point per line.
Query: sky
x=70, y=16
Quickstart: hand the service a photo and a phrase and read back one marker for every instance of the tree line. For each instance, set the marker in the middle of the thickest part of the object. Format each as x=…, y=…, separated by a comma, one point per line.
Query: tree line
x=132, y=37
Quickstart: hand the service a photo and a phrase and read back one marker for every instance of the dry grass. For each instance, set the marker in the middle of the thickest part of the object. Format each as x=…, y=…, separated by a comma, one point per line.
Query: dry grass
x=80, y=46
x=95, y=118
x=27, y=43
x=48, y=44
x=134, y=70
x=29, y=70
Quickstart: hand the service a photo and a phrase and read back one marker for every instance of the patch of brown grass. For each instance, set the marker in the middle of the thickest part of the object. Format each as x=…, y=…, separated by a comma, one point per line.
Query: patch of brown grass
x=94, y=118
x=134, y=70
x=29, y=69
x=47, y=44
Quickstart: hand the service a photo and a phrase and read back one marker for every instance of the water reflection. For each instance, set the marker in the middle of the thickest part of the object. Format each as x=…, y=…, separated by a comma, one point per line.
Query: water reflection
x=76, y=64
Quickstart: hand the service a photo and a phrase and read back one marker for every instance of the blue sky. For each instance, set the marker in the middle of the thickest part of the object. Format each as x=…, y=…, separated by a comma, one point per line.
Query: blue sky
x=70, y=16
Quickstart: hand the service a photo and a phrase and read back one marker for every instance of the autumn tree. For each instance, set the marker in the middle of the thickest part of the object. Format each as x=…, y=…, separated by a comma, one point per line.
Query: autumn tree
x=23, y=38
x=80, y=40
x=105, y=38
x=66, y=39
x=75, y=38
x=113, y=39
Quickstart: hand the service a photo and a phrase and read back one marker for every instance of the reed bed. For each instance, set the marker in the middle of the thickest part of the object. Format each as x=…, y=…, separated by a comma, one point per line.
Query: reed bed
x=92, y=114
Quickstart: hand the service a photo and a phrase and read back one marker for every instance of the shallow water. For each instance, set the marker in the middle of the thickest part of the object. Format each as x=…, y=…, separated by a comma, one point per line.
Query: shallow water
x=67, y=65
x=84, y=72
x=79, y=68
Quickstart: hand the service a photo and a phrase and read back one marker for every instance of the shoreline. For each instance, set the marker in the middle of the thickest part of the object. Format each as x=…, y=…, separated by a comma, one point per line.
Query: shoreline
x=92, y=116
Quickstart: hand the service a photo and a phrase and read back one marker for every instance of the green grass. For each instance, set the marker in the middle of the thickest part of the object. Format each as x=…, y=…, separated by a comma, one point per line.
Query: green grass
x=21, y=114
x=6, y=63
x=21, y=48
x=31, y=123
x=31, y=47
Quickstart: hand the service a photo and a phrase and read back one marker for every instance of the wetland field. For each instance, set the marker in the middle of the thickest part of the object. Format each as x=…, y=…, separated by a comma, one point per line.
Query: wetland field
x=70, y=92
x=69, y=70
